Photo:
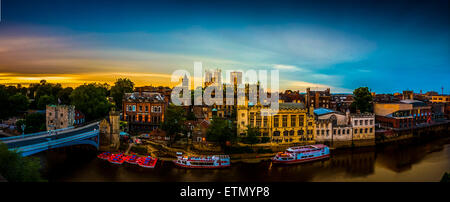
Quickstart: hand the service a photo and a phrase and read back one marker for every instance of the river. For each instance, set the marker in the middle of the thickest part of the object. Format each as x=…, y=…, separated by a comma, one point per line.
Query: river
x=415, y=162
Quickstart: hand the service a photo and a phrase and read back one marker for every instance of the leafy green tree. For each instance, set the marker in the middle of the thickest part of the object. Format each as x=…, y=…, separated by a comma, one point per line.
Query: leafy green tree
x=45, y=100
x=91, y=100
x=4, y=102
x=16, y=168
x=64, y=95
x=18, y=103
x=121, y=86
x=34, y=122
x=173, y=123
x=252, y=134
x=221, y=131
x=362, y=100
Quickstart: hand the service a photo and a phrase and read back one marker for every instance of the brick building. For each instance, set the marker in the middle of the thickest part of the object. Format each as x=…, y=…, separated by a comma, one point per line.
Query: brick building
x=144, y=111
x=318, y=99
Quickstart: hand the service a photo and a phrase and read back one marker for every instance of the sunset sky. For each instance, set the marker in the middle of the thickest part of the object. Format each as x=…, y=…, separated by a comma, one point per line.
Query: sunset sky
x=388, y=46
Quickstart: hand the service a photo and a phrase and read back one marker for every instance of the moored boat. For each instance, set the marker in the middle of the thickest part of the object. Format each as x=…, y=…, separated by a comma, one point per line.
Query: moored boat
x=147, y=162
x=203, y=161
x=104, y=155
x=117, y=158
x=302, y=154
x=132, y=159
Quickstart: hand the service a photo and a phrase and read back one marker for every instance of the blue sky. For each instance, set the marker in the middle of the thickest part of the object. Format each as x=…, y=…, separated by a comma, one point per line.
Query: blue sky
x=388, y=46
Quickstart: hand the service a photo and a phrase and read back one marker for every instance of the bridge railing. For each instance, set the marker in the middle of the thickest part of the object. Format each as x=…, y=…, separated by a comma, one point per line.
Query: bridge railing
x=53, y=142
x=34, y=134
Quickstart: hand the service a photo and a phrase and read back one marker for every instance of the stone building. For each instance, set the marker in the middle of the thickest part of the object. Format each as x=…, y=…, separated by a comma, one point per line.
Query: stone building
x=363, y=126
x=333, y=126
x=59, y=116
x=110, y=131
x=292, y=124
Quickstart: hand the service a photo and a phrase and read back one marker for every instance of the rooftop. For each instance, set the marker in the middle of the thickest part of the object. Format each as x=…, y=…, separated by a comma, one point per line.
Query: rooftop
x=322, y=111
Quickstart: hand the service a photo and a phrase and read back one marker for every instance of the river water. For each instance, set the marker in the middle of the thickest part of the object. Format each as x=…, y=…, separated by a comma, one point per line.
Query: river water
x=415, y=162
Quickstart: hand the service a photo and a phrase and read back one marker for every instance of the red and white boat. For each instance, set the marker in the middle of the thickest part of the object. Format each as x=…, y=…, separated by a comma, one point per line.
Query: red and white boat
x=203, y=161
x=302, y=154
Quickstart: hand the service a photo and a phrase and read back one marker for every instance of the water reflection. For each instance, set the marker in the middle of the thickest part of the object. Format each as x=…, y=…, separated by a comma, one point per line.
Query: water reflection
x=425, y=162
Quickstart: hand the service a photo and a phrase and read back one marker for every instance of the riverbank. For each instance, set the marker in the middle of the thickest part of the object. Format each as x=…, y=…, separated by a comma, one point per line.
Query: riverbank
x=422, y=161
x=264, y=152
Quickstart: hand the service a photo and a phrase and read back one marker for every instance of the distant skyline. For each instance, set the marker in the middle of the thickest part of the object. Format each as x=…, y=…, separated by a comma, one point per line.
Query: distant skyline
x=388, y=46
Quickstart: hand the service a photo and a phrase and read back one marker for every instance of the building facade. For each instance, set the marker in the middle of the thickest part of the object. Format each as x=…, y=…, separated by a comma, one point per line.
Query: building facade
x=402, y=114
x=318, y=99
x=144, y=111
x=363, y=126
x=292, y=124
x=59, y=116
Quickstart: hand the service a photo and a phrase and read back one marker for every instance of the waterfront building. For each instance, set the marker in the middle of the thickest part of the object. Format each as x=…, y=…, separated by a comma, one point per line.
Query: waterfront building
x=61, y=116
x=318, y=99
x=440, y=99
x=402, y=114
x=144, y=111
x=332, y=125
x=336, y=126
x=363, y=126
x=292, y=124
x=110, y=131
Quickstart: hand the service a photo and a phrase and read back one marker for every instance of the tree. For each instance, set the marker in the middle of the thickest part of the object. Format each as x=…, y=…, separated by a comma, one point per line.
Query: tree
x=362, y=100
x=252, y=134
x=34, y=122
x=91, y=100
x=45, y=100
x=18, y=103
x=221, y=131
x=173, y=122
x=16, y=168
x=4, y=102
x=64, y=95
x=121, y=86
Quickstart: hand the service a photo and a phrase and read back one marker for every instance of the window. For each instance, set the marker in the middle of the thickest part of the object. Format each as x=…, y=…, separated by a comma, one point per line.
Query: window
x=140, y=108
x=293, y=117
x=300, y=132
x=146, y=108
x=252, y=119
x=265, y=122
x=371, y=129
x=366, y=122
x=371, y=122
x=356, y=122
x=275, y=121
x=360, y=122
x=285, y=133
x=356, y=131
x=284, y=120
x=361, y=130
x=300, y=120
